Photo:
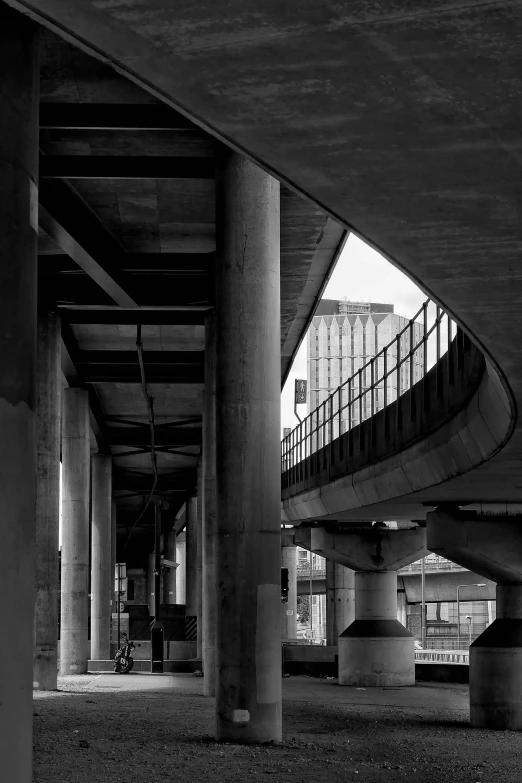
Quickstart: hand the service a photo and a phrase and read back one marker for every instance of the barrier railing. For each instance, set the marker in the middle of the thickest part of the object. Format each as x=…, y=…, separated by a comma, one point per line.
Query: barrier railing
x=378, y=383
x=442, y=656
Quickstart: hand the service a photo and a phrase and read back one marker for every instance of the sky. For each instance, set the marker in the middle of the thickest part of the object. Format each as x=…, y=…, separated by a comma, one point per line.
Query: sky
x=361, y=274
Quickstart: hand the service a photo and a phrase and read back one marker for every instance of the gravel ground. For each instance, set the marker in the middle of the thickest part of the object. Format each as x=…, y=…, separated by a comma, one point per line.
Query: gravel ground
x=105, y=730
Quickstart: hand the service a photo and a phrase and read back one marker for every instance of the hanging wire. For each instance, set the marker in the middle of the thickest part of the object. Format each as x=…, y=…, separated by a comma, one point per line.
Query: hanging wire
x=149, y=401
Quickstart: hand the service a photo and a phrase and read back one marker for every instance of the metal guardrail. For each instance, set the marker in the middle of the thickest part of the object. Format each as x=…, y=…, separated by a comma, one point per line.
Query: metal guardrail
x=431, y=567
x=442, y=656
x=377, y=384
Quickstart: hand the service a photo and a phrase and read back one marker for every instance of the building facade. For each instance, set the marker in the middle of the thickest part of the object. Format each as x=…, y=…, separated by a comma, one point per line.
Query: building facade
x=342, y=338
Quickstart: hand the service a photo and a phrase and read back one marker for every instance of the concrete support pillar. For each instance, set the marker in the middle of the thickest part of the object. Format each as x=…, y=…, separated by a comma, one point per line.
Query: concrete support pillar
x=340, y=600
x=114, y=554
x=74, y=646
x=181, y=570
x=289, y=609
x=47, y=562
x=495, y=666
x=209, y=529
x=101, y=576
x=490, y=546
x=248, y=650
x=191, y=558
x=199, y=564
x=169, y=577
x=402, y=608
x=151, y=562
x=376, y=650
x=18, y=237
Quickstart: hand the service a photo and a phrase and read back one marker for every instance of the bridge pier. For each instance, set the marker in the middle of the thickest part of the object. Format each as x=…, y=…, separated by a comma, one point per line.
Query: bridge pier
x=340, y=600
x=491, y=547
x=375, y=649
x=101, y=576
x=248, y=357
x=74, y=644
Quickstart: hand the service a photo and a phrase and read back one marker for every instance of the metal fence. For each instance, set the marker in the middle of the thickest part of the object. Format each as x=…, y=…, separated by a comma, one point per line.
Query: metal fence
x=395, y=369
x=442, y=656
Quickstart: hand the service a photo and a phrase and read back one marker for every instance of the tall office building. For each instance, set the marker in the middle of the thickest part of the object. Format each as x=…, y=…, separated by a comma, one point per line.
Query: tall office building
x=342, y=338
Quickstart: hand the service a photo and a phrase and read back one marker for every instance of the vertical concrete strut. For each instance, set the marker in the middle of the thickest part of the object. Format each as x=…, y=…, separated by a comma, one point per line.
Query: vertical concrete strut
x=114, y=527
x=47, y=562
x=209, y=532
x=18, y=246
x=248, y=378
x=169, y=576
x=199, y=563
x=191, y=558
x=491, y=547
x=101, y=560
x=289, y=609
x=74, y=647
x=181, y=575
x=340, y=600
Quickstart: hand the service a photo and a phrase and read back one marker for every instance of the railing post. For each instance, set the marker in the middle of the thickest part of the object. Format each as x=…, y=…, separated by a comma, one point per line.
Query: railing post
x=398, y=369
x=361, y=438
x=386, y=416
x=438, y=368
x=372, y=401
x=451, y=369
x=350, y=434
x=412, y=371
x=425, y=358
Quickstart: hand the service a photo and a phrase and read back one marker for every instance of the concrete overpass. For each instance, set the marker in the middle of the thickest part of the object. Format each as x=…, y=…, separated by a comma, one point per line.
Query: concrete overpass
x=400, y=125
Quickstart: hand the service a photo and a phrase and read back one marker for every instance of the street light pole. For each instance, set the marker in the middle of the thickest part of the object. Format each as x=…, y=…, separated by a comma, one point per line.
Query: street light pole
x=478, y=584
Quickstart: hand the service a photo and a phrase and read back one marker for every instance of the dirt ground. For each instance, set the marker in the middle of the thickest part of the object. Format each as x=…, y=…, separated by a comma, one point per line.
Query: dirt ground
x=110, y=729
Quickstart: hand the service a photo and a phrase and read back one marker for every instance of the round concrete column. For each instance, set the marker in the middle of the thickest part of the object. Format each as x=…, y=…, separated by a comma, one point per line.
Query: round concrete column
x=191, y=559
x=74, y=646
x=248, y=380
x=495, y=666
x=181, y=559
x=209, y=532
x=376, y=650
x=101, y=576
x=18, y=244
x=340, y=600
x=47, y=563
x=151, y=563
x=169, y=577
x=289, y=609
x=114, y=541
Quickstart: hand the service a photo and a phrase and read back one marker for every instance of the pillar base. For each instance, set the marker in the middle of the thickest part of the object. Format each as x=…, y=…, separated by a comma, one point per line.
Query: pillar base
x=495, y=677
x=376, y=653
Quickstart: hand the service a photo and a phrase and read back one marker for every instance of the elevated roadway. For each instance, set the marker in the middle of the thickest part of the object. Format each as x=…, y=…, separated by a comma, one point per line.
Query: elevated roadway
x=401, y=122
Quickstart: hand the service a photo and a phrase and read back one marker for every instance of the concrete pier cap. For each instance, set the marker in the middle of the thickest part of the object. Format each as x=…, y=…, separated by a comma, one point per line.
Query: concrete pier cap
x=375, y=649
x=489, y=545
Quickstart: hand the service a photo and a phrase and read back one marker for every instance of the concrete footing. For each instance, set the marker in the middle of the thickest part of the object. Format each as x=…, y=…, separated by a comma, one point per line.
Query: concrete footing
x=376, y=650
x=495, y=667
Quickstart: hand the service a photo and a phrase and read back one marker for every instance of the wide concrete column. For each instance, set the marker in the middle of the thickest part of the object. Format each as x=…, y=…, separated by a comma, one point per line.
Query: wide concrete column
x=340, y=600
x=18, y=237
x=209, y=530
x=74, y=646
x=191, y=558
x=114, y=553
x=101, y=561
x=248, y=380
x=289, y=609
x=181, y=574
x=199, y=564
x=47, y=562
x=376, y=649
x=169, y=577
x=491, y=547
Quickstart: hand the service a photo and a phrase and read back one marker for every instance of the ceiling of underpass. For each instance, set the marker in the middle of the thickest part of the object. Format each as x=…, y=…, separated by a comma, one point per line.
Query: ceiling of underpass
x=127, y=241
x=401, y=121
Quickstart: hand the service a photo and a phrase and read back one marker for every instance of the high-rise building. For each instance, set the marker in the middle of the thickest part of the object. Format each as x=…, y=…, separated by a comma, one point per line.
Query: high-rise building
x=342, y=338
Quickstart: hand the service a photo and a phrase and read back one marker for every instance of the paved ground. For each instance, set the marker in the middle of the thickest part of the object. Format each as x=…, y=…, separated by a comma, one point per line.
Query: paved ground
x=102, y=728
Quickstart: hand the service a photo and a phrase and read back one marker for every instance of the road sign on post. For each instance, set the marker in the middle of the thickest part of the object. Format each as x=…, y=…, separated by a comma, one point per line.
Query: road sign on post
x=300, y=395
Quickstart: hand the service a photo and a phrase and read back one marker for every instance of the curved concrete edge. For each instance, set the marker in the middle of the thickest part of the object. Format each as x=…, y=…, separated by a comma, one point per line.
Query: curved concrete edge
x=472, y=437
